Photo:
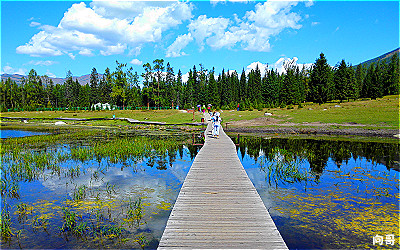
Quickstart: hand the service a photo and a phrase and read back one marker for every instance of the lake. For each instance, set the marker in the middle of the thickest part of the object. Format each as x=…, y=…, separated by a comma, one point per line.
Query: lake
x=328, y=194
x=89, y=189
x=6, y=133
x=73, y=195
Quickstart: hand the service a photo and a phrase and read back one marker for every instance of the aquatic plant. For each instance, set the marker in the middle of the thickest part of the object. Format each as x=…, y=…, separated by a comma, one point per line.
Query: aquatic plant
x=70, y=220
x=23, y=210
x=282, y=167
x=110, y=188
x=141, y=240
x=9, y=188
x=5, y=224
x=79, y=193
x=40, y=221
x=135, y=212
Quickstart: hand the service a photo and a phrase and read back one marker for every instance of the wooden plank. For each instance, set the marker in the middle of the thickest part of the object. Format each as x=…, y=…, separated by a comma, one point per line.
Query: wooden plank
x=218, y=206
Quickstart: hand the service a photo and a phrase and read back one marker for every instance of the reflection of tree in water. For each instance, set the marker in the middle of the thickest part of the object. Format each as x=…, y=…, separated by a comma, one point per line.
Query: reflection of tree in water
x=318, y=152
x=193, y=150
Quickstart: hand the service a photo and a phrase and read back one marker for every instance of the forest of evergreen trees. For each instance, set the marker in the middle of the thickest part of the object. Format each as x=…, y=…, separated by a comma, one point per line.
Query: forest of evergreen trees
x=160, y=87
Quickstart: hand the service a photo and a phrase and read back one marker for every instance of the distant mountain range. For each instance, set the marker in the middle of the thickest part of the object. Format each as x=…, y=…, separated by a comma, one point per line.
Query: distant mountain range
x=18, y=78
x=385, y=57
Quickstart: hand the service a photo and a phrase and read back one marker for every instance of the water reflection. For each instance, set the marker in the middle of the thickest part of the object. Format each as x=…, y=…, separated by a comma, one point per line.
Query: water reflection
x=7, y=133
x=69, y=197
x=350, y=193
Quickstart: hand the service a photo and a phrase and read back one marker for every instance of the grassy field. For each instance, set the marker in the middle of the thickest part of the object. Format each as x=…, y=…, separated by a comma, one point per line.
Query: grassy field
x=167, y=116
x=383, y=112
x=380, y=113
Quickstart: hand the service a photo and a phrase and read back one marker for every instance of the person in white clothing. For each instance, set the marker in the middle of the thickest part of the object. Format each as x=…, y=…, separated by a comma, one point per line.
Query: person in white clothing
x=217, y=124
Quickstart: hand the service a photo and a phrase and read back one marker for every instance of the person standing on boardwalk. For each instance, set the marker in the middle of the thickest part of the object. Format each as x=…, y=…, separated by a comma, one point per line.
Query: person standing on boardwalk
x=213, y=118
x=217, y=124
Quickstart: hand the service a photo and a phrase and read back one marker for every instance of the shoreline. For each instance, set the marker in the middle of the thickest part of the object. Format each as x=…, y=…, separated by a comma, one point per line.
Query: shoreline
x=386, y=133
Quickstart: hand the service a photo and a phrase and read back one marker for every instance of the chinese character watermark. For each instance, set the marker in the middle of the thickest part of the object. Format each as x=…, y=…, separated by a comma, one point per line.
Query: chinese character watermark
x=389, y=239
x=378, y=239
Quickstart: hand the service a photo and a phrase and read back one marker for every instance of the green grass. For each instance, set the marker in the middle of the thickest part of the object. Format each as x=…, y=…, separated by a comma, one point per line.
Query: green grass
x=380, y=113
x=167, y=116
x=383, y=112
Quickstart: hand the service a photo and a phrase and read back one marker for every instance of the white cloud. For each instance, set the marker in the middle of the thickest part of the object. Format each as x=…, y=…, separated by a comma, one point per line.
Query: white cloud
x=252, y=32
x=10, y=70
x=34, y=24
x=72, y=56
x=314, y=23
x=43, y=63
x=309, y=3
x=39, y=46
x=211, y=28
x=104, y=27
x=275, y=16
x=136, y=62
x=86, y=52
x=174, y=50
x=215, y=2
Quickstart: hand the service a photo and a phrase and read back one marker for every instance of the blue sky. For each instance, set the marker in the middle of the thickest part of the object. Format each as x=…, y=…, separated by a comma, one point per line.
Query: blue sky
x=53, y=37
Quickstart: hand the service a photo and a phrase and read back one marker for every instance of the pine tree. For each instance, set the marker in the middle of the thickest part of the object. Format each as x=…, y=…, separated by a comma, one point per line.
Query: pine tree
x=321, y=82
x=134, y=98
x=393, y=75
x=257, y=85
x=213, y=90
x=368, y=81
x=158, y=68
x=353, y=90
x=94, y=88
x=359, y=79
x=120, y=85
x=341, y=81
x=171, y=90
x=376, y=88
x=243, y=86
x=179, y=89
x=148, y=90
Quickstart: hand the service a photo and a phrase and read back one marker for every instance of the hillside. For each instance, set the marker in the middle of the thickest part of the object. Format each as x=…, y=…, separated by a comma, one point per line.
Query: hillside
x=385, y=57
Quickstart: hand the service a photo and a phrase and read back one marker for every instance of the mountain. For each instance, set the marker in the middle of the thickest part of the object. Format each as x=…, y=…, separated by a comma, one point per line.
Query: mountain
x=18, y=78
x=385, y=57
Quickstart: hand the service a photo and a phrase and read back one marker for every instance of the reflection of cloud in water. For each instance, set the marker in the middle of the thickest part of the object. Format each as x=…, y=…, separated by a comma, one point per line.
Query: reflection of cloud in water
x=155, y=185
x=180, y=170
x=257, y=177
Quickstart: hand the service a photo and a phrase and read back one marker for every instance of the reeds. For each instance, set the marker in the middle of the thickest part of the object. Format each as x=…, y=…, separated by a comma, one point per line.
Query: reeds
x=135, y=212
x=32, y=158
x=5, y=224
x=79, y=193
x=282, y=168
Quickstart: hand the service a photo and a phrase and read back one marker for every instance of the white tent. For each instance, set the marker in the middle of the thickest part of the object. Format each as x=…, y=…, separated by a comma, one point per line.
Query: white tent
x=102, y=106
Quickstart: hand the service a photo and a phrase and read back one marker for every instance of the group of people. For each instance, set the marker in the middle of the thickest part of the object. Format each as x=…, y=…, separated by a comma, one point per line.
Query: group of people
x=216, y=119
x=202, y=109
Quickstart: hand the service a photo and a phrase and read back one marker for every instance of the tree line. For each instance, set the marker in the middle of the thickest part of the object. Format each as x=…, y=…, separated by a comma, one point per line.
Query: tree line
x=159, y=86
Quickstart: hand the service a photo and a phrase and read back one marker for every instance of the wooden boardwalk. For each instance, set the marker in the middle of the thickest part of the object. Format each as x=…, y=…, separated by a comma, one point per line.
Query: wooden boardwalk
x=218, y=206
